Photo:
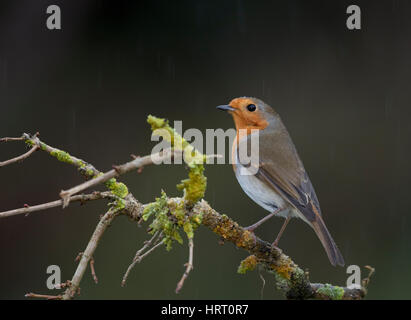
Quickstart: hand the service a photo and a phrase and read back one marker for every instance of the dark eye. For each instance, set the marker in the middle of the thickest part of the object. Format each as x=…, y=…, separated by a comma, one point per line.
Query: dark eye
x=251, y=107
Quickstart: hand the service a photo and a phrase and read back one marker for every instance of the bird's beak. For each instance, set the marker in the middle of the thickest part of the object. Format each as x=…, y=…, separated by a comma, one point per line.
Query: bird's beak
x=225, y=107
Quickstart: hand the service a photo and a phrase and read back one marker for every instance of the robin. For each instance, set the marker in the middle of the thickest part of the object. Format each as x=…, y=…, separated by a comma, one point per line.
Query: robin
x=280, y=183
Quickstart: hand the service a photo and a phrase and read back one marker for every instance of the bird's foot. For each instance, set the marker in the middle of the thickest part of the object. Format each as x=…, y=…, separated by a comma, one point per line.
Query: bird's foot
x=250, y=228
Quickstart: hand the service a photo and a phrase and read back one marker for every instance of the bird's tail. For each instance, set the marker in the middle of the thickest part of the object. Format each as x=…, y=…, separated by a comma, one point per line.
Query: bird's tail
x=334, y=255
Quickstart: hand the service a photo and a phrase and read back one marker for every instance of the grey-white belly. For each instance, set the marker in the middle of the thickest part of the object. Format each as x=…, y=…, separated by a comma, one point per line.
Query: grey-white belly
x=264, y=195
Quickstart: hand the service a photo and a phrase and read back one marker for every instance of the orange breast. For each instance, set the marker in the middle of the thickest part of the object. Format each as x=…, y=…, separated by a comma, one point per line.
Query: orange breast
x=240, y=134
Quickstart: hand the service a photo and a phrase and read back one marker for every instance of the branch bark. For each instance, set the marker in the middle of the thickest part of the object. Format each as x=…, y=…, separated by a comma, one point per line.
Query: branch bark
x=117, y=171
x=87, y=255
x=19, y=158
x=189, y=265
x=81, y=198
x=290, y=278
x=294, y=281
x=154, y=243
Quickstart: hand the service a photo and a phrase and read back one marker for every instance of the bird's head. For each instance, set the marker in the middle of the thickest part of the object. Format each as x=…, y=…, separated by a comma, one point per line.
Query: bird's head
x=249, y=113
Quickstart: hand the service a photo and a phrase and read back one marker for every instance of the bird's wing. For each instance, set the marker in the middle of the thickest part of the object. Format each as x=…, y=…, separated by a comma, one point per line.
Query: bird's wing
x=301, y=194
x=282, y=169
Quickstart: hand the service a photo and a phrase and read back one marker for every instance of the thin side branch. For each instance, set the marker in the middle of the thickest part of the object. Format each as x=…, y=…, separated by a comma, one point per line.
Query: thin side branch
x=93, y=271
x=366, y=281
x=189, y=265
x=88, y=253
x=81, y=198
x=7, y=139
x=43, y=296
x=19, y=158
x=119, y=170
x=84, y=167
x=154, y=243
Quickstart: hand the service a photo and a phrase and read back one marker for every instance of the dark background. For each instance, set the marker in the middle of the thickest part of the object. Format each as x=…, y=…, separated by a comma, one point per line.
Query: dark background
x=88, y=88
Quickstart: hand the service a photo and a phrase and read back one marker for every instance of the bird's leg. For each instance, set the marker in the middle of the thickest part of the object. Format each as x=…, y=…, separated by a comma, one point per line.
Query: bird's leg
x=260, y=222
x=275, y=243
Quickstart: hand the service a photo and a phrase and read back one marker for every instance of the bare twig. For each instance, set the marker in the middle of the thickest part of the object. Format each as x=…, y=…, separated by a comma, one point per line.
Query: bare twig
x=93, y=271
x=29, y=209
x=147, y=244
x=189, y=265
x=263, y=285
x=119, y=170
x=85, y=168
x=140, y=256
x=158, y=243
x=19, y=158
x=366, y=281
x=88, y=253
x=43, y=296
x=7, y=139
x=77, y=259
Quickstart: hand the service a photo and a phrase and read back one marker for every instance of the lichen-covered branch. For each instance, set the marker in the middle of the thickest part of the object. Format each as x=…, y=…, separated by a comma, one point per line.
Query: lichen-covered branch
x=118, y=189
x=109, y=176
x=171, y=216
x=289, y=276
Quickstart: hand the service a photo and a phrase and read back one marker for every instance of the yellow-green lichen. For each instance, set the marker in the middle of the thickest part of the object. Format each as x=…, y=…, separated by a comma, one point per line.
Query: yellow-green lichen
x=62, y=156
x=169, y=216
x=332, y=292
x=287, y=274
x=119, y=189
x=85, y=169
x=177, y=209
x=195, y=186
x=248, y=264
x=89, y=172
x=289, y=277
x=188, y=222
x=156, y=123
x=43, y=146
x=245, y=240
x=160, y=212
x=284, y=268
x=191, y=223
x=281, y=283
